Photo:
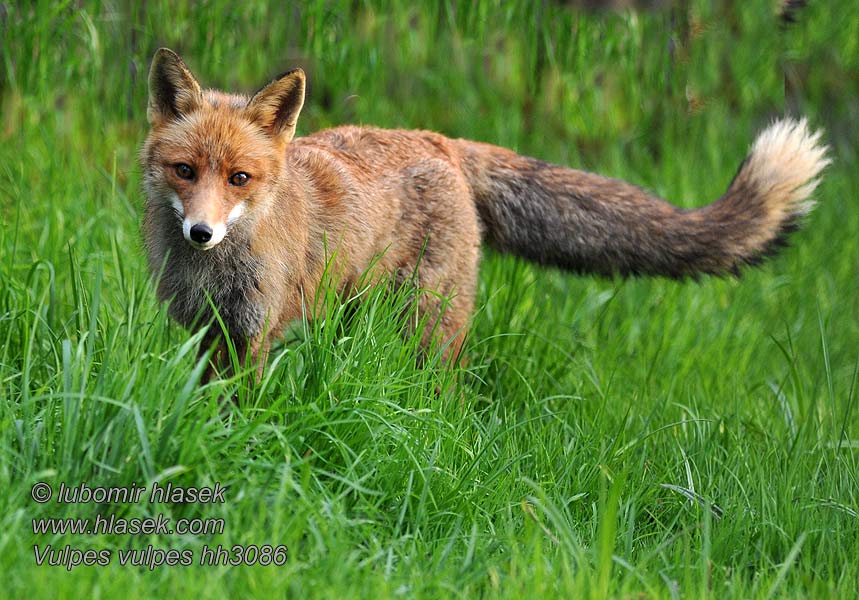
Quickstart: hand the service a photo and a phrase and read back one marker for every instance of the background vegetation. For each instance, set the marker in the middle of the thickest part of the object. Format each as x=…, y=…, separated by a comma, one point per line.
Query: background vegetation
x=623, y=438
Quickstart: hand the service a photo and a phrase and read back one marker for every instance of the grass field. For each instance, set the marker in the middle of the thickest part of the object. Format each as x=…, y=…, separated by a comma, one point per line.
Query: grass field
x=639, y=438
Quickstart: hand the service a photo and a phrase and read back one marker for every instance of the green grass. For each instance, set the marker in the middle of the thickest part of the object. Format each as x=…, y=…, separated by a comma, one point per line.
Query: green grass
x=639, y=438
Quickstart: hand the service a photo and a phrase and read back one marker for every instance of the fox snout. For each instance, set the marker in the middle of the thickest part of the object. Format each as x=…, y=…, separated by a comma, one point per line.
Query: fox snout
x=205, y=229
x=199, y=228
x=202, y=234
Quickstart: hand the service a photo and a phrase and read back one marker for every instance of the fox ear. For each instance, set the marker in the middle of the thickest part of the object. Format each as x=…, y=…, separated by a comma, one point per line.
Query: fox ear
x=173, y=91
x=276, y=106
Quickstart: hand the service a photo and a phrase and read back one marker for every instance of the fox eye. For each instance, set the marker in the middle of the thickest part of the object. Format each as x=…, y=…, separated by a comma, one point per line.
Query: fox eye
x=183, y=171
x=239, y=179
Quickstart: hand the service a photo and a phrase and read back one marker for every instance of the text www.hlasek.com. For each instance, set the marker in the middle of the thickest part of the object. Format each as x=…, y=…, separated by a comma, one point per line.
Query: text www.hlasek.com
x=117, y=525
x=70, y=557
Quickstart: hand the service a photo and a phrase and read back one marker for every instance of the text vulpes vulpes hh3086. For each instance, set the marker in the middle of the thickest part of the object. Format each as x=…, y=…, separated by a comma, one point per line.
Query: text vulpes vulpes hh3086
x=241, y=213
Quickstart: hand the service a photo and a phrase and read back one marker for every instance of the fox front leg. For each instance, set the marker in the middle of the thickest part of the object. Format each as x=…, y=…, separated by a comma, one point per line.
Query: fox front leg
x=248, y=352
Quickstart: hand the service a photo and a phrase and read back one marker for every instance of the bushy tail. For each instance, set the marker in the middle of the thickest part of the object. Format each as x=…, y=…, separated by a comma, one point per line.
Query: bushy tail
x=585, y=222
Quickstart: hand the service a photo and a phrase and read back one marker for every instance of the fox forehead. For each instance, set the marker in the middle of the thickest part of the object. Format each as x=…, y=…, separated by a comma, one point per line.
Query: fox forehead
x=218, y=135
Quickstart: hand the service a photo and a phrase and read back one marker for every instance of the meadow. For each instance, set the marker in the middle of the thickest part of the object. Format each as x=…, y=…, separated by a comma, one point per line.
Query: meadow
x=637, y=438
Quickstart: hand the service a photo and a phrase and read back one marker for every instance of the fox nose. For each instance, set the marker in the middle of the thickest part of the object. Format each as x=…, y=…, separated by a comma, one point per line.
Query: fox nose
x=201, y=233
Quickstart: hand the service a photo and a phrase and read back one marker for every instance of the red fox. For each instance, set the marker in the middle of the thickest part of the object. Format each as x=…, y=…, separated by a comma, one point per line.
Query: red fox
x=243, y=215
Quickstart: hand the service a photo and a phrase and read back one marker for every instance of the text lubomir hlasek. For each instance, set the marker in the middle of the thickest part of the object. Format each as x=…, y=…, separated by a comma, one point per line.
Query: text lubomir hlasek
x=158, y=494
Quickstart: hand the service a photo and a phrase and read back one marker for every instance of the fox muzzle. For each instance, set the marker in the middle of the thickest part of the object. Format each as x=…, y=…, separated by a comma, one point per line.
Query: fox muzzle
x=201, y=235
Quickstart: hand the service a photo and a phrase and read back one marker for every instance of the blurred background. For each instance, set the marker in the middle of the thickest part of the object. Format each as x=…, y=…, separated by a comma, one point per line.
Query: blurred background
x=576, y=84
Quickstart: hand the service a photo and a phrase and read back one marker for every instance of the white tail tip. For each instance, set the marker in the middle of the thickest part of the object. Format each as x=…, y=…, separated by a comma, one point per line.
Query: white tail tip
x=784, y=164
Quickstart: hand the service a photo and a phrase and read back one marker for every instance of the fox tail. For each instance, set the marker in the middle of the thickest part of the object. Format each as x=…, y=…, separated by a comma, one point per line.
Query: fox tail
x=588, y=223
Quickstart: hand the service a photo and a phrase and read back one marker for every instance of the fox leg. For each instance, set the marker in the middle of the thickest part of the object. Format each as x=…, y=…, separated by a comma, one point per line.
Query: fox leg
x=450, y=327
x=259, y=350
x=249, y=351
x=448, y=259
x=219, y=359
x=446, y=302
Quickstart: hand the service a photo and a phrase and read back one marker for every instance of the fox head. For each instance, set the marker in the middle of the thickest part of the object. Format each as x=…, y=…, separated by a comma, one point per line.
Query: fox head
x=214, y=157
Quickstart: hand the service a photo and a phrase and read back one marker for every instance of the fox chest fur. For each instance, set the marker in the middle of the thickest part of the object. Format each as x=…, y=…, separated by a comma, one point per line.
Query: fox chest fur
x=227, y=276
